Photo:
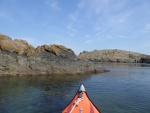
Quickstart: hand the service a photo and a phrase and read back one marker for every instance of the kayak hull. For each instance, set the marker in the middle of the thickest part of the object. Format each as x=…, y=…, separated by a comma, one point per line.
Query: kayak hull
x=81, y=104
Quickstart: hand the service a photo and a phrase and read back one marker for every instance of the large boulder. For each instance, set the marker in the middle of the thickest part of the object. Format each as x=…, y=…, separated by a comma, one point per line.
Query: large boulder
x=58, y=50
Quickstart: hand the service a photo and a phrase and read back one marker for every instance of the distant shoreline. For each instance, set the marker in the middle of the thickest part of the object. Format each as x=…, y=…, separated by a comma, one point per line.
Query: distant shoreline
x=114, y=55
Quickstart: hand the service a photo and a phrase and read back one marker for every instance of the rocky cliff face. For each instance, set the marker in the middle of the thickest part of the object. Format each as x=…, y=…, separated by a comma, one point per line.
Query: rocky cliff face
x=17, y=57
x=113, y=56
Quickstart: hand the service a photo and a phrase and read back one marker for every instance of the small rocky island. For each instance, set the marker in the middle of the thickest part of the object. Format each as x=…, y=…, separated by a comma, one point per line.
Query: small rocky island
x=114, y=55
x=18, y=58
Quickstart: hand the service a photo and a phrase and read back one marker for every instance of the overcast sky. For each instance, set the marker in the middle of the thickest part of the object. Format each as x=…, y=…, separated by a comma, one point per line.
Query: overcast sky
x=79, y=24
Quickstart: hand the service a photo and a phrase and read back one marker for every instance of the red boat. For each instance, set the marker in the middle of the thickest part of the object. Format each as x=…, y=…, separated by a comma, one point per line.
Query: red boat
x=81, y=103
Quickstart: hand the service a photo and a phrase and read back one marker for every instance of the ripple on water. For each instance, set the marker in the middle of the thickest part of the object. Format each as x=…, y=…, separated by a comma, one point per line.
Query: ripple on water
x=125, y=89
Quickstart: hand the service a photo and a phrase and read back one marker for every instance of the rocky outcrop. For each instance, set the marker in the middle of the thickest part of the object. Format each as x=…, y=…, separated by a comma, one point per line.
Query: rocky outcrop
x=57, y=50
x=19, y=58
x=113, y=56
x=22, y=47
x=17, y=46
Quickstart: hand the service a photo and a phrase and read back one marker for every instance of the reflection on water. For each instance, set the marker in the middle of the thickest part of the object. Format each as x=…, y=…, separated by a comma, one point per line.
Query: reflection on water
x=36, y=94
x=125, y=89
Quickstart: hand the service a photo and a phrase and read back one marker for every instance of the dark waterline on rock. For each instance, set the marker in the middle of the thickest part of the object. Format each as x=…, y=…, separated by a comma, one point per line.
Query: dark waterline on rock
x=125, y=89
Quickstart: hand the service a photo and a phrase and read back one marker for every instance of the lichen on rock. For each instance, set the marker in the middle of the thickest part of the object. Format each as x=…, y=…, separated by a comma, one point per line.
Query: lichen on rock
x=18, y=46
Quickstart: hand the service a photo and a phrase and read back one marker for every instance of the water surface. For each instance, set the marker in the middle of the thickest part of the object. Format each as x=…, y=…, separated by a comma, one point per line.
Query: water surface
x=125, y=89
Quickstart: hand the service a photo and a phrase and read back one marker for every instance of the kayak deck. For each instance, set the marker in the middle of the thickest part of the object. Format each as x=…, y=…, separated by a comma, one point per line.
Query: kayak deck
x=81, y=103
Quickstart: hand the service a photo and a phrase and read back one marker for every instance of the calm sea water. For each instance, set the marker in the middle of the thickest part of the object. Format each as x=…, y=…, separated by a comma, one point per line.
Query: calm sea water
x=125, y=89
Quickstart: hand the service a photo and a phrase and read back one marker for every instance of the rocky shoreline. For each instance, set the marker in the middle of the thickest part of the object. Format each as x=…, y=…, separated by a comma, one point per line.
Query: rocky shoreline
x=19, y=58
x=114, y=55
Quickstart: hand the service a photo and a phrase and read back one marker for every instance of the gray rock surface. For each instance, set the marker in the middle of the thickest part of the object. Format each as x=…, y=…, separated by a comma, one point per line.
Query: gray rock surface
x=18, y=58
x=44, y=63
x=113, y=56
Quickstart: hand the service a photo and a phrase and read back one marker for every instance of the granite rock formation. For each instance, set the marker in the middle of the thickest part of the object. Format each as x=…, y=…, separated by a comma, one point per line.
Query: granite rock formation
x=20, y=58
